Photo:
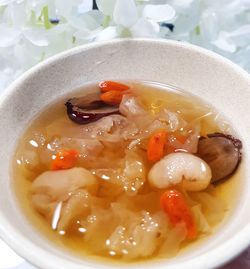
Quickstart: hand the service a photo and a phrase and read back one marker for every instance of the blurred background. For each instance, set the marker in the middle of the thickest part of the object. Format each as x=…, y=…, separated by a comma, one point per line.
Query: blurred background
x=33, y=30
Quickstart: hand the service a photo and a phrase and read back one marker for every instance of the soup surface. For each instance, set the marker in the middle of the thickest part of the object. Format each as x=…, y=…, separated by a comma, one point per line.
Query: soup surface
x=127, y=171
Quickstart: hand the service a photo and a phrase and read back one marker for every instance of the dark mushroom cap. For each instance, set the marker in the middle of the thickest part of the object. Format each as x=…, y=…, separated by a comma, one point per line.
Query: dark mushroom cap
x=87, y=109
x=222, y=153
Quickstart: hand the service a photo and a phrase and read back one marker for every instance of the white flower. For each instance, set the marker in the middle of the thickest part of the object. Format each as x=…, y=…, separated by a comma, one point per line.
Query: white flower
x=125, y=13
x=223, y=42
x=106, y=6
x=32, y=30
x=158, y=13
x=9, y=35
x=145, y=28
x=109, y=32
x=128, y=19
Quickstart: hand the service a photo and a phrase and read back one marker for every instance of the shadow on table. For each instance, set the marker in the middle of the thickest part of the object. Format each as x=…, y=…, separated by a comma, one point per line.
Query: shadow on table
x=242, y=262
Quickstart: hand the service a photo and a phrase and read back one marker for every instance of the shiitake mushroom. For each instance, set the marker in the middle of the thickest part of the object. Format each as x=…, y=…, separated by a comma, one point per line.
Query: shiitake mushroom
x=87, y=109
x=222, y=153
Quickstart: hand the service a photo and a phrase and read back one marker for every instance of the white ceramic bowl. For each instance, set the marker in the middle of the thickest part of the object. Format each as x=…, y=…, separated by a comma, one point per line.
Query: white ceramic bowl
x=215, y=79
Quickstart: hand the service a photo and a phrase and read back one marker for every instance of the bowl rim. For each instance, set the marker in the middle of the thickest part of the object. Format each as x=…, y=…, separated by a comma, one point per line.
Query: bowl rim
x=14, y=238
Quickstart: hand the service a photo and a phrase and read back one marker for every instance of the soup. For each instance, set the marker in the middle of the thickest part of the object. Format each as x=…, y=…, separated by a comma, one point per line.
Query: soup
x=127, y=171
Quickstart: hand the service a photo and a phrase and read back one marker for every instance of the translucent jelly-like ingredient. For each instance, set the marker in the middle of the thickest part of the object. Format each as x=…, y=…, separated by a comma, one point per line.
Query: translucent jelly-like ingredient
x=104, y=206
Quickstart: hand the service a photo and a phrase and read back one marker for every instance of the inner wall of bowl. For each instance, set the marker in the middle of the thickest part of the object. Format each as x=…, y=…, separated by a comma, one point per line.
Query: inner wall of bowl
x=214, y=80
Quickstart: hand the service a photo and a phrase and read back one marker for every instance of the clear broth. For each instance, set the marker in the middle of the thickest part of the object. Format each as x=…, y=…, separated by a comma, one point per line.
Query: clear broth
x=153, y=96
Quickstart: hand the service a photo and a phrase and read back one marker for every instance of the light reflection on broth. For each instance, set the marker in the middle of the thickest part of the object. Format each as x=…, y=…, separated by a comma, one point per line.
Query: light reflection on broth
x=104, y=206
